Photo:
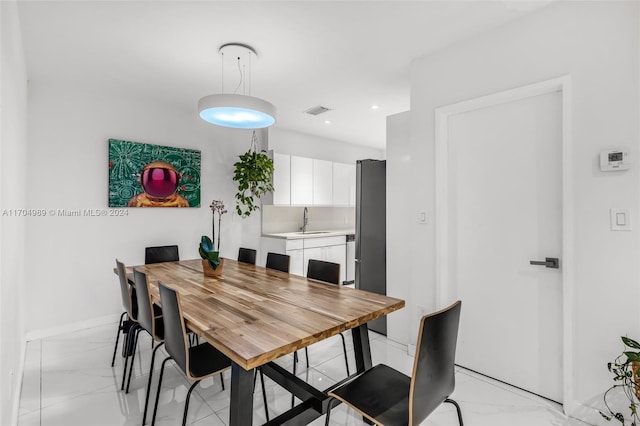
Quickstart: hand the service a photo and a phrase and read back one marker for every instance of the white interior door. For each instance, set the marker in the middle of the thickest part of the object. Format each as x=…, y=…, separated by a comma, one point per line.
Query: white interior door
x=505, y=209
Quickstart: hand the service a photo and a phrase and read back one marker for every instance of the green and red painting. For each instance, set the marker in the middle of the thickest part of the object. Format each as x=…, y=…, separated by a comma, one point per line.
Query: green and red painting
x=145, y=175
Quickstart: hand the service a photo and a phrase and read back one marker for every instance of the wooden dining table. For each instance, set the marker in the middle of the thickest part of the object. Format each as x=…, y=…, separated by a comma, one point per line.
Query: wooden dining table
x=255, y=315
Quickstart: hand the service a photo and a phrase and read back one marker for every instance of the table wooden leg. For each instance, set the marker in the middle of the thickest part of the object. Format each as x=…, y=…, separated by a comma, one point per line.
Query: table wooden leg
x=241, y=410
x=361, y=347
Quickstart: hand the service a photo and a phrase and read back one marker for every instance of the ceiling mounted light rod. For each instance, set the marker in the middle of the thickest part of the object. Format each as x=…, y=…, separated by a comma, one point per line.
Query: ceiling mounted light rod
x=231, y=109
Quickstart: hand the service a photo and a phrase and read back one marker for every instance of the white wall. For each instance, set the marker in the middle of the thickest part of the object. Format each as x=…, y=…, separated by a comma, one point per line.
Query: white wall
x=13, y=137
x=70, y=273
x=304, y=145
x=400, y=189
x=597, y=44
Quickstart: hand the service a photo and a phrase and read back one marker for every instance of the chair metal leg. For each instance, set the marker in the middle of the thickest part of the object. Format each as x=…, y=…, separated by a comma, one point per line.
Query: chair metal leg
x=133, y=357
x=115, y=348
x=155, y=407
x=126, y=344
x=264, y=395
x=186, y=403
x=451, y=401
x=222, y=380
x=146, y=401
x=344, y=348
x=306, y=354
x=326, y=420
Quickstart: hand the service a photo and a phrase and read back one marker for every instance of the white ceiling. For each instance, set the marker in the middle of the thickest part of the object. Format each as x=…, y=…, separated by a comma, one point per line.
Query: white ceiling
x=345, y=55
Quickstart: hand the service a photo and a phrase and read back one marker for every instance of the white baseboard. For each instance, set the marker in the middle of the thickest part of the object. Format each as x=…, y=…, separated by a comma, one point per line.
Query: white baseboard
x=68, y=328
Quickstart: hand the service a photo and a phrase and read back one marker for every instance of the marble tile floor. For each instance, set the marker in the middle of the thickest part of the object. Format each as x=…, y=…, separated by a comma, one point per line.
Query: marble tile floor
x=68, y=380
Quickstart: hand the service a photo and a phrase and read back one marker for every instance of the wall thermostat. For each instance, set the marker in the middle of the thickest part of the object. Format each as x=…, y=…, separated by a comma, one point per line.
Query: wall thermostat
x=616, y=159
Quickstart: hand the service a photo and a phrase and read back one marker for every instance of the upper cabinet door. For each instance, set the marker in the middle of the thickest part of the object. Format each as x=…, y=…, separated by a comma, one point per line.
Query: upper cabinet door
x=322, y=183
x=341, y=184
x=352, y=184
x=281, y=179
x=301, y=181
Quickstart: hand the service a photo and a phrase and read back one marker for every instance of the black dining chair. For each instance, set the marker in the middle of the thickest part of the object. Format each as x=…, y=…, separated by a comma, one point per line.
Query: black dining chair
x=160, y=254
x=247, y=255
x=128, y=320
x=279, y=262
x=196, y=362
x=328, y=272
x=385, y=396
x=150, y=320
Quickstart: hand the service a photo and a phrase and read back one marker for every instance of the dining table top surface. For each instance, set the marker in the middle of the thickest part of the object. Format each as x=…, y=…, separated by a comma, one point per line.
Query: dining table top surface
x=255, y=315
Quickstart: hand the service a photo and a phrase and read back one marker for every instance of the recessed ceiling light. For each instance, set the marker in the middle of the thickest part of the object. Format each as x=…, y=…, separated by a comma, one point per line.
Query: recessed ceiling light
x=374, y=106
x=327, y=121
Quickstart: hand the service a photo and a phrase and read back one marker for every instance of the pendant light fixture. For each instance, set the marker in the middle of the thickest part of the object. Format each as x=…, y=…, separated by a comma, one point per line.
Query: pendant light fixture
x=232, y=109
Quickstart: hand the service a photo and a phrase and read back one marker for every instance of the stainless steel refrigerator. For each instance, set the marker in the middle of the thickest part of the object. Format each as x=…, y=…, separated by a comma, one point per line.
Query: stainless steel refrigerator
x=371, y=230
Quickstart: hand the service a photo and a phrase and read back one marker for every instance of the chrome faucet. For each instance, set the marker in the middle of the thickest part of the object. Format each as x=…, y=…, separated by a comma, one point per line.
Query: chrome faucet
x=305, y=220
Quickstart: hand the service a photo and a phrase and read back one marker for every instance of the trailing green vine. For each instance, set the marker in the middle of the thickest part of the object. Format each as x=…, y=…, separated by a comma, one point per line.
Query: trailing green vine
x=626, y=377
x=253, y=173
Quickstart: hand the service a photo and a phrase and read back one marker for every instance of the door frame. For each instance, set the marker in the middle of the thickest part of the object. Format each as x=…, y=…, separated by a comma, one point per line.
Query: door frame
x=442, y=292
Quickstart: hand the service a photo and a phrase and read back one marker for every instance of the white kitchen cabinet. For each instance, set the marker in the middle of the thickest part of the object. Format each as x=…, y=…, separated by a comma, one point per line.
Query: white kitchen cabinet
x=329, y=249
x=341, y=184
x=352, y=185
x=301, y=181
x=297, y=262
x=322, y=183
x=281, y=179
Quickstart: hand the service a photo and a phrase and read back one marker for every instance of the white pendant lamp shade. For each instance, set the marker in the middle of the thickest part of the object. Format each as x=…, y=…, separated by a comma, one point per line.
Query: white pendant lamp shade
x=237, y=111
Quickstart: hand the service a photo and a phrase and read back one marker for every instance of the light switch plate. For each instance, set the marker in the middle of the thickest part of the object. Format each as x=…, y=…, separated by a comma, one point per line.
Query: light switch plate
x=620, y=220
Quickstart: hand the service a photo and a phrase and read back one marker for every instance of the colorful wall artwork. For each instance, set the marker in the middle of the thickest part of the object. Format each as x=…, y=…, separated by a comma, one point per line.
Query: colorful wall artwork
x=144, y=175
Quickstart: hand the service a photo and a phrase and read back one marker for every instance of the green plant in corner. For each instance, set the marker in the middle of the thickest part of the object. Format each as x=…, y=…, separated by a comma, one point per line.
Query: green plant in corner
x=207, y=249
x=253, y=173
x=626, y=378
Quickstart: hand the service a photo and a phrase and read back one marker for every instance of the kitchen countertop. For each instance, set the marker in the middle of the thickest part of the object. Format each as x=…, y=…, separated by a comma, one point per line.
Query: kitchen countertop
x=310, y=234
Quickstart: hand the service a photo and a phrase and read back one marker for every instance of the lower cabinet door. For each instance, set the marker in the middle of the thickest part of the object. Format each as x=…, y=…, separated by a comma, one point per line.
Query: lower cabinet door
x=338, y=254
x=296, y=266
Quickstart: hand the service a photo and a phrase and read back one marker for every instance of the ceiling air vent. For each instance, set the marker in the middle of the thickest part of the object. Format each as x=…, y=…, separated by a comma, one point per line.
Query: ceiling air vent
x=317, y=110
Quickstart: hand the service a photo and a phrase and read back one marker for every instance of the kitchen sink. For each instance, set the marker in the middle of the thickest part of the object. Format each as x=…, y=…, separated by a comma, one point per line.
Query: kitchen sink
x=312, y=232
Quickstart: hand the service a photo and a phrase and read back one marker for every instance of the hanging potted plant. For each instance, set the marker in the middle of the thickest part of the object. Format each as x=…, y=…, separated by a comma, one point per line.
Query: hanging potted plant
x=625, y=378
x=253, y=173
x=211, y=261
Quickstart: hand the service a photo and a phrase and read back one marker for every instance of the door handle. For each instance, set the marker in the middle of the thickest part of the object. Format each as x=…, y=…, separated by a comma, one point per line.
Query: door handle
x=548, y=262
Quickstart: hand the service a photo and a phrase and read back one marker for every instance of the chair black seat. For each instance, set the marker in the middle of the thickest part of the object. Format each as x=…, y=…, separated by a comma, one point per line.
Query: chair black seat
x=247, y=255
x=204, y=360
x=279, y=262
x=159, y=327
x=381, y=392
x=388, y=397
x=161, y=254
x=157, y=312
x=320, y=270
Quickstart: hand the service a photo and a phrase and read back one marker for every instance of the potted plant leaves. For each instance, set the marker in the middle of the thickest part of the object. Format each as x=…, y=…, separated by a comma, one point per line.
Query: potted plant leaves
x=253, y=173
x=626, y=379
